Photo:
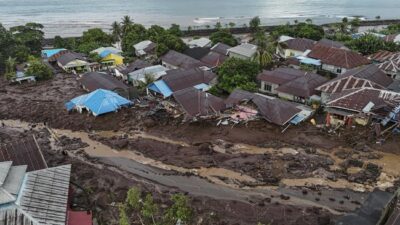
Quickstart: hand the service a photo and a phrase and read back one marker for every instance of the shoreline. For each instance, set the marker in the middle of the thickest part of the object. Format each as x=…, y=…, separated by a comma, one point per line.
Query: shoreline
x=245, y=30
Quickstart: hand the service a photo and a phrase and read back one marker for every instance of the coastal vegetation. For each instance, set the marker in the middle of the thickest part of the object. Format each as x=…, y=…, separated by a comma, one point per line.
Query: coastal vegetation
x=223, y=36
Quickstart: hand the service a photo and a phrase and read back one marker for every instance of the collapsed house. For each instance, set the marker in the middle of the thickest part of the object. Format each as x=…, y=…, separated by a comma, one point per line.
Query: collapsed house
x=74, y=62
x=122, y=71
x=271, y=109
x=369, y=76
x=217, y=55
x=363, y=105
x=291, y=47
x=176, y=80
x=98, y=102
x=140, y=76
x=145, y=48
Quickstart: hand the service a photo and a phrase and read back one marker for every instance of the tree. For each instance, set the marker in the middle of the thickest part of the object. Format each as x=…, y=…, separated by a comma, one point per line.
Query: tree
x=38, y=69
x=149, y=209
x=116, y=31
x=232, y=25
x=10, y=68
x=355, y=23
x=378, y=17
x=218, y=26
x=59, y=42
x=29, y=35
x=223, y=36
x=254, y=24
x=309, y=21
x=175, y=29
x=123, y=218
x=237, y=73
x=126, y=22
x=264, y=54
x=133, y=198
x=179, y=211
x=134, y=34
x=369, y=44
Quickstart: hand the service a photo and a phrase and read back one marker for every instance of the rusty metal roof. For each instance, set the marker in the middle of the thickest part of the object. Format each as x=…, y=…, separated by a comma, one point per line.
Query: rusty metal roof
x=299, y=44
x=214, y=59
x=338, y=57
x=182, y=79
x=280, y=75
x=94, y=80
x=382, y=56
x=181, y=60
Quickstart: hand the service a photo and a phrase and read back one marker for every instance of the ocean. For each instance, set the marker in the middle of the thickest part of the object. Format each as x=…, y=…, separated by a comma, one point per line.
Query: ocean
x=72, y=17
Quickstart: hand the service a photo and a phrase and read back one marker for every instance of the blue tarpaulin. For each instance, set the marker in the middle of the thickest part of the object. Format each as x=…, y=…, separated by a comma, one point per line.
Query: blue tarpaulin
x=99, y=102
x=105, y=53
x=309, y=61
x=160, y=87
x=202, y=87
x=50, y=52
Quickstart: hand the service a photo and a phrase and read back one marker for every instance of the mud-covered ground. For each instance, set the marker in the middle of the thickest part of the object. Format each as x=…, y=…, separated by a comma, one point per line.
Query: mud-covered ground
x=296, y=161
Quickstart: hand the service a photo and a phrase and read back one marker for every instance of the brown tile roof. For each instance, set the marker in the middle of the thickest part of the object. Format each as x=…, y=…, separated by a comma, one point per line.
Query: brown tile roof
x=213, y=59
x=299, y=44
x=303, y=86
x=181, y=60
x=198, y=103
x=273, y=110
x=382, y=56
x=365, y=76
x=338, y=57
x=280, y=75
x=182, y=79
x=356, y=100
x=94, y=80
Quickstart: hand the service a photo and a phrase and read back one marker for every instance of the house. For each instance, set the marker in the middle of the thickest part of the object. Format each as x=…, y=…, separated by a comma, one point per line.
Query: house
x=122, y=71
x=94, y=80
x=362, y=105
x=73, y=62
x=145, y=48
x=336, y=60
x=21, y=76
x=333, y=44
x=382, y=56
x=176, y=80
x=273, y=110
x=294, y=47
x=110, y=56
x=177, y=60
x=391, y=66
x=198, y=104
x=243, y=51
x=200, y=43
x=48, y=53
x=196, y=52
x=369, y=76
x=291, y=84
x=54, y=56
x=395, y=38
x=37, y=197
x=217, y=55
x=98, y=102
x=138, y=76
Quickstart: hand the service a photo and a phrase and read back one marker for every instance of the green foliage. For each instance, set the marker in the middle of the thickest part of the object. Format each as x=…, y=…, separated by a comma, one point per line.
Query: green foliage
x=254, y=24
x=180, y=210
x=369, y=44
x=38, y=69
x=29, y=35
x=133, y=198
x=93, y=39
x=133, y=34
x=116, y=31
x=301, y=30
x=95, y=57
x=175, y=29
x=238, y=73
x=123, y=218
x=392, y=29
x=149, y=209
x=10, y=65
x=264, y=53
x=223, y=36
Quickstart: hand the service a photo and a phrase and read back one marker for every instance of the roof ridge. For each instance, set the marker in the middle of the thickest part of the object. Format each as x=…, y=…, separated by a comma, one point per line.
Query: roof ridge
x=346, y=95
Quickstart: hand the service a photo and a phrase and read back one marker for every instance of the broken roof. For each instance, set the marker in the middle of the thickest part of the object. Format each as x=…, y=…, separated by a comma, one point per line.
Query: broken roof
x=338, y=57
x=221, y=48
x=303, y=86
x=357, y=100
x=299, y=44
x=365, y=76
x=95, y=80
x=182, y=79
x=198, y=103
x=68, y=57
x=382, y=56
x=23, y=152
x=392, y=64
x=136, y=65
x=280, y=75
x=181, y=60
x=273, y=110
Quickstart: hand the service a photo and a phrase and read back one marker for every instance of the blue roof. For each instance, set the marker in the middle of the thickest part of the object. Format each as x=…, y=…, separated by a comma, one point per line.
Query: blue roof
x=105, y=53
x=50, y=52
x=309, y=61
x=160, y=87
x=99, y=102
x=202, y=87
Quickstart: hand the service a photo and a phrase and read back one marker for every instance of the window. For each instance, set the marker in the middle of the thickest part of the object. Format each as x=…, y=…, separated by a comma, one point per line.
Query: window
x=339, y=70
x=268, y=87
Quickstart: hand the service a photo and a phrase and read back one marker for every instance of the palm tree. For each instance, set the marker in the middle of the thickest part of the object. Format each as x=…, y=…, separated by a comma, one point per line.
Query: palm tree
x=264, y=55
x=126, y=22
x=116, y=32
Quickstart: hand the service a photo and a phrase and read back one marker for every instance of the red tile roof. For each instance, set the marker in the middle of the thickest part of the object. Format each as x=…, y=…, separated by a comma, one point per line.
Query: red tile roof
x=338, y=57
x=79, y=218
x=299, y=44
x=366, y=76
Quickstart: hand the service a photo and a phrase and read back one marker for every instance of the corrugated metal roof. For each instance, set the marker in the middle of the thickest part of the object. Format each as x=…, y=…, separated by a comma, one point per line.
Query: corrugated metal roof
x=280, y=75
x=15, y=216
x=182, y=79
x=181, y=60
x=13, y=182
x=45, y=195
x=4, y=169
x=161, y=87
x=298, y=44
x=5, y=197
x=247, y=50
x=303, y=86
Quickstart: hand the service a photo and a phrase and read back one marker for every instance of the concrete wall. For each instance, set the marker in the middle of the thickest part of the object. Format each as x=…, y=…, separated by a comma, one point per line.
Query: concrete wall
x=273, y=87
x=235, y=55
x=333, y=69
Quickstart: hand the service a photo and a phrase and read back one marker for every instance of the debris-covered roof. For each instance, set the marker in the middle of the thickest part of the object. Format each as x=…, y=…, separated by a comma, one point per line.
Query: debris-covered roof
x=299, y=44
x=303, y=86
x=338, y=57
x=94, y=80
x=23, y=152
x=280, y=75
x=181, y=60
x=181, y=79
x=365, y=76
x=198, y=103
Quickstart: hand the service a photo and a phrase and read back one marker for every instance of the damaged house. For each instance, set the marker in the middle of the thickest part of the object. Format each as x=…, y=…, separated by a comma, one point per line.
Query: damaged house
x=369, y=76
x=363, y=105
x=217, y=55
x=291, y=84
x=176, y=80
x=122, y=71
x=291, y=47
x=246, y=105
